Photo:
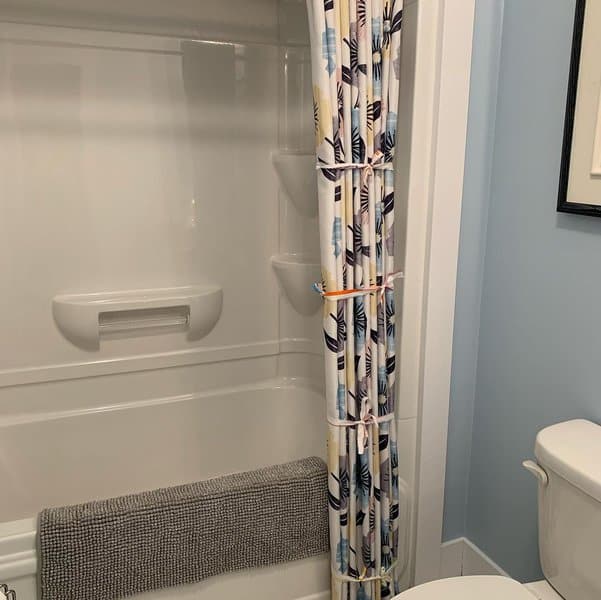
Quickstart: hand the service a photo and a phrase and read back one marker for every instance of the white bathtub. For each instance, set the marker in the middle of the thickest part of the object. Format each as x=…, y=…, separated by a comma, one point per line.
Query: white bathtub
x=66, y=457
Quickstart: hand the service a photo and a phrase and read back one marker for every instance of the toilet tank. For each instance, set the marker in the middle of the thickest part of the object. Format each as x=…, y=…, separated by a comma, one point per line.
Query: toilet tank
x=570, y=508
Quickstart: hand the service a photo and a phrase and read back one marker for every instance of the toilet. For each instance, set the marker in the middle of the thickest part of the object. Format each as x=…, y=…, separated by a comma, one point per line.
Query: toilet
x=568, y=469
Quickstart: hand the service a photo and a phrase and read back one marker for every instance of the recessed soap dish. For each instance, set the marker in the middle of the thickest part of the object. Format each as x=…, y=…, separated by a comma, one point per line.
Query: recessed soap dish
x=114, y=323
x=86, y=318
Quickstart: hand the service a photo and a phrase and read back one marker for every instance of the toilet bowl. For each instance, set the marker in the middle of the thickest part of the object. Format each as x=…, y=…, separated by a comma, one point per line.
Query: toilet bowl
x=481, y=587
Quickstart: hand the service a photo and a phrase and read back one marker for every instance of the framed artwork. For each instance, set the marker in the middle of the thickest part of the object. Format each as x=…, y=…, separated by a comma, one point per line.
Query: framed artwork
x=580, y=177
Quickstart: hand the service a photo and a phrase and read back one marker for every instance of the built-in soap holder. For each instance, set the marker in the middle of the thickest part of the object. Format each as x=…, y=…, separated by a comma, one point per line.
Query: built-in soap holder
x=296, y=172
x=85, y=319
x=296, y=274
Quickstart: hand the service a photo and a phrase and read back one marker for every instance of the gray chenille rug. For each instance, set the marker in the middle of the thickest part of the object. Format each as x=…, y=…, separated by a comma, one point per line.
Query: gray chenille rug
x=114, y=548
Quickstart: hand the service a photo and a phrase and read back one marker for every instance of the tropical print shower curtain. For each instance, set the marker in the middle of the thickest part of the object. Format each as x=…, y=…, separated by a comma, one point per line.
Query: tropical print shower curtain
x=355, y=48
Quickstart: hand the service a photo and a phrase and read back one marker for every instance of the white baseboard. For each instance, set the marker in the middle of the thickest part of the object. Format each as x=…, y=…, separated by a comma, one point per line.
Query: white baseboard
x=451, y=558
x=462, y=557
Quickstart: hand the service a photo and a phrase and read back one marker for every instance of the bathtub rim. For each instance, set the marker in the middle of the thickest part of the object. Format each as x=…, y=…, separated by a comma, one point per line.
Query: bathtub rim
x=18, y=555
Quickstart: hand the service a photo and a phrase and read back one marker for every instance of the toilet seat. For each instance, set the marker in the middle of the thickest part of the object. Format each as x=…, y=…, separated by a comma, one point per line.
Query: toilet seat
x=481, y=587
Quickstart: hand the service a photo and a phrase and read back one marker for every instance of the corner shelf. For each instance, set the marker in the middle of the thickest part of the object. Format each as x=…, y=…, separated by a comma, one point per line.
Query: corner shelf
x=296, y=172
x=296, y=274
x=84, y=318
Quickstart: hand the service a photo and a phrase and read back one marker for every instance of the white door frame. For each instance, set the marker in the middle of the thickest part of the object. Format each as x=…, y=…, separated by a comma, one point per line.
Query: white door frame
x=438, y=142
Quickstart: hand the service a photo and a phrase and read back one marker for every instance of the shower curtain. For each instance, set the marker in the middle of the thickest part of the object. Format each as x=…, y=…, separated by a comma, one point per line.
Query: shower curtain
x=355, y=53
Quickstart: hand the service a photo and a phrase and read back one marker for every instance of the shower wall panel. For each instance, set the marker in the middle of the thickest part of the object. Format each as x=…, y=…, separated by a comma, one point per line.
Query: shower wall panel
x=130, y=162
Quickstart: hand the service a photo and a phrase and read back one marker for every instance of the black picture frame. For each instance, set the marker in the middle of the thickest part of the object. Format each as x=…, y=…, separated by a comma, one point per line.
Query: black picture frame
x=563, y=205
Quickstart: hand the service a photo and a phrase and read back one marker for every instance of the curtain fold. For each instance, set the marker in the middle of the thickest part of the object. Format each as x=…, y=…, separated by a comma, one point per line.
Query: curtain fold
x=355, y=51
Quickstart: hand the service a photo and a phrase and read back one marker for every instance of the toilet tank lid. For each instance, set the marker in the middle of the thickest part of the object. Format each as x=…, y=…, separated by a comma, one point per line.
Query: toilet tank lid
x=572, y=450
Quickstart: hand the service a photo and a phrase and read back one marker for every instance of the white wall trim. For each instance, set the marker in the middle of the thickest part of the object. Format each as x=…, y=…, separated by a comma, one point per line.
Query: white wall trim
x=443, y=66
x=462, y=557
x=451, y=558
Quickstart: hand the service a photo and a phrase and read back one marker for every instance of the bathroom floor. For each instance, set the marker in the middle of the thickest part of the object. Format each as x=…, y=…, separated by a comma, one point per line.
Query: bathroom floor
x=543, y=591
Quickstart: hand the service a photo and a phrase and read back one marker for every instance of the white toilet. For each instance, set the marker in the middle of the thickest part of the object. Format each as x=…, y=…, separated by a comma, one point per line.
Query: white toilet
x=569, y=524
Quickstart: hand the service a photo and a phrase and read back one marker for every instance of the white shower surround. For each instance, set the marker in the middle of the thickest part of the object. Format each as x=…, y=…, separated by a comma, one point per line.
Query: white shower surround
x=126, y=170
x=40, y=374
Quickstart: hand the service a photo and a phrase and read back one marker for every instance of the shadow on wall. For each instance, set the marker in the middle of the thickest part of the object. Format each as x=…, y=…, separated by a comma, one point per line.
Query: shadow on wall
x=579, y=223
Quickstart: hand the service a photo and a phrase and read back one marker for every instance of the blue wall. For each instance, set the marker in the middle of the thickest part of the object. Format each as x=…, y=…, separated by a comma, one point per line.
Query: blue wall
x=480, y=137
x=539, y=342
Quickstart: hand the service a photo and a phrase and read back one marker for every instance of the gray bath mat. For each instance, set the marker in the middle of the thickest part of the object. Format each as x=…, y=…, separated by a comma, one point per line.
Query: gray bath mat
x=123, y=546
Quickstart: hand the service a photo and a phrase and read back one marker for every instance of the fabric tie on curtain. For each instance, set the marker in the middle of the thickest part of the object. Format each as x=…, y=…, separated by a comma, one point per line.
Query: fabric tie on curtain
x=355, y=54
